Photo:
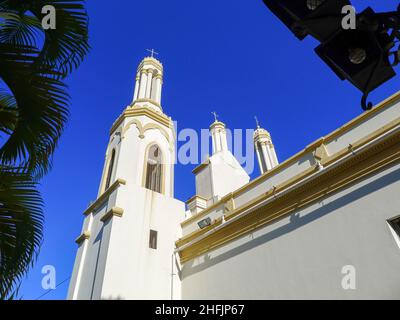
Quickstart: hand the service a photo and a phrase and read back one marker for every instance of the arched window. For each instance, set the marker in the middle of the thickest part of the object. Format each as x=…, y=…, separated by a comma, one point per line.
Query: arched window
x=154, y=169
x=110, y=170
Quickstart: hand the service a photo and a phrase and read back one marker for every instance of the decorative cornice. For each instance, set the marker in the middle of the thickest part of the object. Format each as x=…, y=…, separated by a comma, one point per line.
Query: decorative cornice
x=103, y=196
x=151, y=61
x=201, y=166
x=195, y=197
x=373, y=158
x=345, y=128
x=217, y=124
x=145, y=100
x=136, y=111
x=115, y=211
x=84, y=236
x=325, y=161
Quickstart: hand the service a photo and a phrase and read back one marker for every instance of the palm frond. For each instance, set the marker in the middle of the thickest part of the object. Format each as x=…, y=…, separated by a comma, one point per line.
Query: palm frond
x=19, y=29
x=21, y=228
x=65, y=46
x=42, y=104
x=8, y=112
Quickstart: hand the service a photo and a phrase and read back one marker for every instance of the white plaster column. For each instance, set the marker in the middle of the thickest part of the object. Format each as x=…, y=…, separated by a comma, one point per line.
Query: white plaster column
x=213, y=143
x=137, y=83
x=143, y=82
x=158, y=88
x=262, y=169
x=272, y=152
x=149, y=82
x=265, y=155
x=265, y=150
x=224, y=140
x=218, y=134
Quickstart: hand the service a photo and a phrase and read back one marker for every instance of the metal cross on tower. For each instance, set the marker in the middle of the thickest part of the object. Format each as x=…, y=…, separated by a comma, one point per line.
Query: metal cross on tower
x=152, y=52
x=215, y=116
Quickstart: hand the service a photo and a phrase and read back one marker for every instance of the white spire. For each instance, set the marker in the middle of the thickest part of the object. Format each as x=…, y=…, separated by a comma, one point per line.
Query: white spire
x=149, y=80
x=265, y=149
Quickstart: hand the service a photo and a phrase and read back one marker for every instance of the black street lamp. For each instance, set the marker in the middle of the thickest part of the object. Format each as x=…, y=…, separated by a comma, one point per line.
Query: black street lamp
x=364, y=56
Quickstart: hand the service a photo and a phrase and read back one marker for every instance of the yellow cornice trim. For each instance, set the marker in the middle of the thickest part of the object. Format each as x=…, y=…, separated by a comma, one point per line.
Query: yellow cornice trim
x=371, y=160
x=104, y=195
x=142, y=111
x=113, y=212
x=152, y=61
x=195, y=234
x=201, y=166
x=364, y=116
x=317, y=143
x=84, y=236
x=147, y=100
x=207, y=210
x=194, y=198
x=326, y=160
x=217, y=123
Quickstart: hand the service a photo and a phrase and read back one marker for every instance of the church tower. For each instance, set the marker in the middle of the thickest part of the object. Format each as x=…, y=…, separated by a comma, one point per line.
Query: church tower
x=218, y=175
x=126, y=248
x=265, y=149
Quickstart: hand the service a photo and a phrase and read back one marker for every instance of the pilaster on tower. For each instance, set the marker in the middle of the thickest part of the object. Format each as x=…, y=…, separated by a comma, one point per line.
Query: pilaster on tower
x=148, y=87
x=218, y=136
x=265, y=150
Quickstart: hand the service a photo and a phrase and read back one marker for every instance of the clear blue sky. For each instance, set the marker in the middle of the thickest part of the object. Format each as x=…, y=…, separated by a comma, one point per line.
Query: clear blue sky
x=232, y=56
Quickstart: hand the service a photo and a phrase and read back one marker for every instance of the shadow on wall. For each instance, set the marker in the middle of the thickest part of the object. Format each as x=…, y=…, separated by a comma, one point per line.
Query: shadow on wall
x=295, y=222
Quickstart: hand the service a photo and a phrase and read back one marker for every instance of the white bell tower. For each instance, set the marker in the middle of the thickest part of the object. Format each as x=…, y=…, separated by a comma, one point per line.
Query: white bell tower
x=126, y=247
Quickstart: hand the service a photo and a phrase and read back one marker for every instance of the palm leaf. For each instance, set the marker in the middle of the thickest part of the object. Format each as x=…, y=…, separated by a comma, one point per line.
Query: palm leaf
x=8, y=112
x=21, y=227
x=41, y=105
x=19, y=29
x=64, y=47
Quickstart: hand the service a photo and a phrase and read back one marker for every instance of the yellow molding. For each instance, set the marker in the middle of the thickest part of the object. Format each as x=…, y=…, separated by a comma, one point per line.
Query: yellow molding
x=84, y=236
x=201, y=166
x=370, y=161
x=195, y=234
x=353, y=123
x=367, y=139
x=364, y=116
x=325, y=161
x=115, y=211
x=147, y=100
x=142, y=111
x=104, y=195
x=195, y=197
x=217, y=123
x=152, y=61
x=207, y=210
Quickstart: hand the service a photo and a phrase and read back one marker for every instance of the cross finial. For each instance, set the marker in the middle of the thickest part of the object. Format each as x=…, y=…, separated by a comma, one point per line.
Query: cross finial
x=152, y=52
x=215, y=116
x=257, y=122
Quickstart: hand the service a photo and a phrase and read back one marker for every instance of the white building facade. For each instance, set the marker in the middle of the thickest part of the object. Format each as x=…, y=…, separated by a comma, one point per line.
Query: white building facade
x=324, y=224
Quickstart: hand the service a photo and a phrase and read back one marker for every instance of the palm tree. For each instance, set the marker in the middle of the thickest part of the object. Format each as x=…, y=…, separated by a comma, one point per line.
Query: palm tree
x=33, y=112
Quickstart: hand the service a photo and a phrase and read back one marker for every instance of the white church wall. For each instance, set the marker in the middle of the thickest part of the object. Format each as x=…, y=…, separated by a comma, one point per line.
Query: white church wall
x=227, y=174
x=91, y=258
x=302, y=256
x=137, y=271
x=203, y=183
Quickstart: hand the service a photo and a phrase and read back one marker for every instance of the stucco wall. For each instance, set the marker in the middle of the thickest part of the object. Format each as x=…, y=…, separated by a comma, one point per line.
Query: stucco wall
x=301, y=256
